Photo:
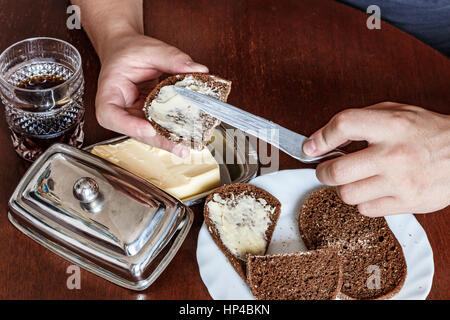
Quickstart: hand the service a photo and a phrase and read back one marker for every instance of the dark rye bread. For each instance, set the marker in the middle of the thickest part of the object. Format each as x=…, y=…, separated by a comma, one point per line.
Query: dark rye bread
x=326, y=221
x=220, y=86
x=310, y=275
x=236, y=189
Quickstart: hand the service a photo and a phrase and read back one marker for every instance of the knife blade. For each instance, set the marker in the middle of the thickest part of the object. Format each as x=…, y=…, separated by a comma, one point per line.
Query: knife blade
x=284, y=139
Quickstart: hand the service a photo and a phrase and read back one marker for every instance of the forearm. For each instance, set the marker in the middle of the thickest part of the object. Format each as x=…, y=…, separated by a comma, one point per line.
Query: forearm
x=106, y=20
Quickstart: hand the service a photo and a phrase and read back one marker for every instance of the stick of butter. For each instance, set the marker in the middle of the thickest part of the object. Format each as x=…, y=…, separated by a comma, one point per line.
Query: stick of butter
x=182, y=178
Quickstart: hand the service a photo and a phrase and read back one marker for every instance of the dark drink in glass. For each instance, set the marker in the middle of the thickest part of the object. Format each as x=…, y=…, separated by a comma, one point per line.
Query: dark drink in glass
x=41, y=87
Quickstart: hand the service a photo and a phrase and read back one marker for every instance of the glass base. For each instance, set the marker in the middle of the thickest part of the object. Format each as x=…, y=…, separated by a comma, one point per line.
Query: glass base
x=30, y=148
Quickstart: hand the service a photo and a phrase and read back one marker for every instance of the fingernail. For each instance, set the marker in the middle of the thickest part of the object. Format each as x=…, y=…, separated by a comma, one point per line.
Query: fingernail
x=196, y=67
x=309, y=147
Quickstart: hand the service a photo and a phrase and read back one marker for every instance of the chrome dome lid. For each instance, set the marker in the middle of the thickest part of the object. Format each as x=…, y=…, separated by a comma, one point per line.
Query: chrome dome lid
x=99, y=216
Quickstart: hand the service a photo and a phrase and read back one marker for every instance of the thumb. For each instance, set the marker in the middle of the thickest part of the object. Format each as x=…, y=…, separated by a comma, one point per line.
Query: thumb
x=171, y=60
x=348, y=125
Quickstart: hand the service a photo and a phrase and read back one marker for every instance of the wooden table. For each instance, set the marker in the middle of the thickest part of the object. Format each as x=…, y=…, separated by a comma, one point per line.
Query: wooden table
x=296, y=62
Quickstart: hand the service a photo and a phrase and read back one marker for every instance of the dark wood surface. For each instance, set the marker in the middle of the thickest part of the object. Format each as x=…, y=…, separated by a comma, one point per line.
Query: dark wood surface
x=296, y=62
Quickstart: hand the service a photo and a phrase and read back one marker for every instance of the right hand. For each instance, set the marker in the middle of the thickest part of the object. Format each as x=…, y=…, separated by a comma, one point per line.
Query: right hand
x=404, y=169
x=127, y=61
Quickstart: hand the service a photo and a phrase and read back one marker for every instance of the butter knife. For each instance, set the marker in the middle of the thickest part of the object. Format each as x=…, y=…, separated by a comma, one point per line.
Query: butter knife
x=284, y=139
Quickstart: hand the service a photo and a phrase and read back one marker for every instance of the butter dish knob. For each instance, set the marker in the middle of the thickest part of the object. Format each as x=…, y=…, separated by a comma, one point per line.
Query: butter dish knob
x=86, y=190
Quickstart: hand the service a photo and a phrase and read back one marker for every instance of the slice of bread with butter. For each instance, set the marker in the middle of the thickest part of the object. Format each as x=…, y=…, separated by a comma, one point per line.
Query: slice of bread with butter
x=241, y=219
x=179, y=120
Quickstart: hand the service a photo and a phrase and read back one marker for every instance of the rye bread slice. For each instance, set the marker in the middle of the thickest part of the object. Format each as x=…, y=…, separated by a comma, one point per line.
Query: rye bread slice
x=235, y=192
x=219, y=88
x=366, y=245
x=310, y=275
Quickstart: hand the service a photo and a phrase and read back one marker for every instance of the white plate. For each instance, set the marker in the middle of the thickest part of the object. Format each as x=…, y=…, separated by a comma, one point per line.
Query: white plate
x=292, y=188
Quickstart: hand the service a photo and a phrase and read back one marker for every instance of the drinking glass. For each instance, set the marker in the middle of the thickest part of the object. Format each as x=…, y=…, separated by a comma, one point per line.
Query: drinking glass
x=41, y=88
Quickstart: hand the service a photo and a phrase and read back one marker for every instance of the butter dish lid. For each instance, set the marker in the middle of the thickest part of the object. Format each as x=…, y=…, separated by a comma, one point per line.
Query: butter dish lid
x=99, y=216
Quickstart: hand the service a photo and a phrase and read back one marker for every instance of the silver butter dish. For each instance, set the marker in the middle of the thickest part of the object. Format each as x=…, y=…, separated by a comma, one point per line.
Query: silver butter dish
x=99, y=216
x=231, y=148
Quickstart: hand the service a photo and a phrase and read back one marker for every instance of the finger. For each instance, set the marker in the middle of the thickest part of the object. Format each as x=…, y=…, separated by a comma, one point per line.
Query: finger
x=118, y=119
x=169, y=59
x=382, y=207
x=115, y=88
x=350, y=124
x=115, y=118
x=351, y=167
x=111, y=115
x=363, y=190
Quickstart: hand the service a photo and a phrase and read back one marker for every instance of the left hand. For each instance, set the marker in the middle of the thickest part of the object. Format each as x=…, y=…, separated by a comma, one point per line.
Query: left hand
x=128, y=61
x=404, y=169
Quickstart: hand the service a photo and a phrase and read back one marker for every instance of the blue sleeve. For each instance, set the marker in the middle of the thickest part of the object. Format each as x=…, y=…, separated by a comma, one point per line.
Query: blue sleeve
x=427, y=20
